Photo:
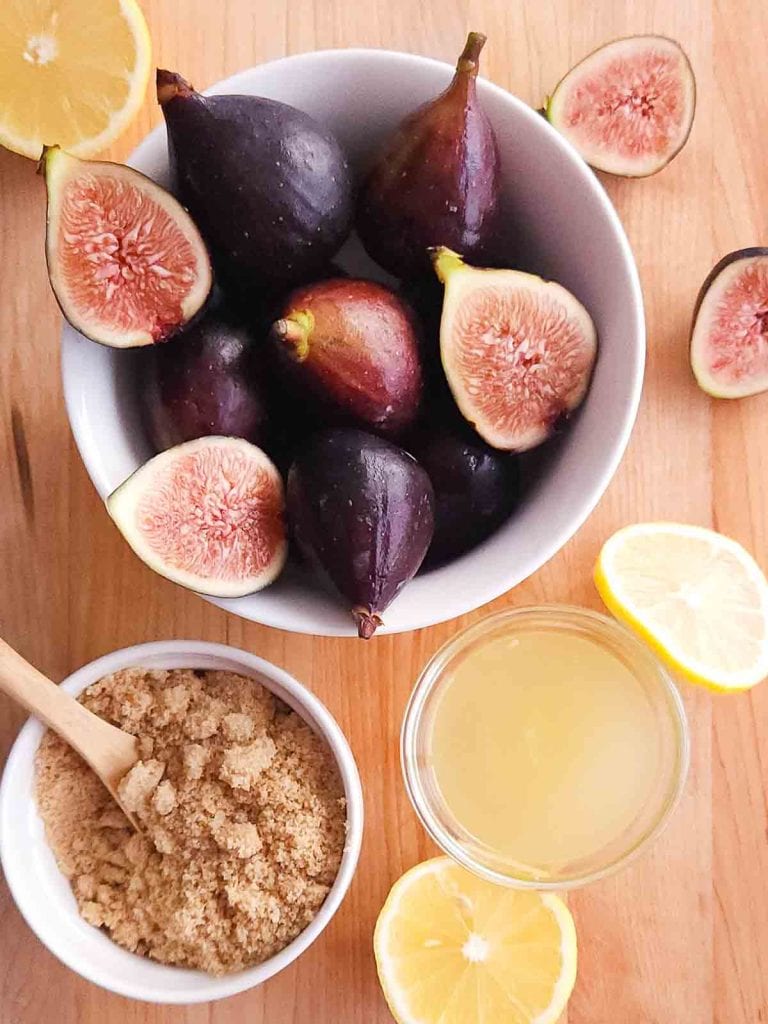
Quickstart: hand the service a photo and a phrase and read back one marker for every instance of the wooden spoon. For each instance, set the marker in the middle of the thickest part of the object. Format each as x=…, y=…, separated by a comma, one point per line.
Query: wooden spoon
x=108, y=750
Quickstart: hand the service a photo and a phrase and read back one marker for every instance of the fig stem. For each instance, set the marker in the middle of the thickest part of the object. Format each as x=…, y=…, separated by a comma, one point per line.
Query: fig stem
x=170, y=85
x=367, y=622
x=293, y=332
x=445, y=261
x=42, y=163
x=469, y=61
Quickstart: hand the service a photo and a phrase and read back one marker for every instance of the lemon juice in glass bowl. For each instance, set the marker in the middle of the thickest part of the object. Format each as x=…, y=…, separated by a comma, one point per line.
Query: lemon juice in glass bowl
x=544, y=747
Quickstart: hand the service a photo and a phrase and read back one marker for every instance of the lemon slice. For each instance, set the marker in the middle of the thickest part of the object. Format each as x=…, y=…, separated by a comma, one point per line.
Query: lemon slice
x=453, y=949
x=73, y=73
x=696, y=597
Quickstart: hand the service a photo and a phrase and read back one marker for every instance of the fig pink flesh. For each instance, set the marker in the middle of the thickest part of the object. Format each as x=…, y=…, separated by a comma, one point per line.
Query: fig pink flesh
x=122, y=257
x=736, y=346
x=634, y=104
x=214, y=513
x=523, y=361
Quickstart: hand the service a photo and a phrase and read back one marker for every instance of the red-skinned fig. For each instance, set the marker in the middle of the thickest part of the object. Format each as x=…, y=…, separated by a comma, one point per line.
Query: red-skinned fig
x=350, y=350
x=436, y=181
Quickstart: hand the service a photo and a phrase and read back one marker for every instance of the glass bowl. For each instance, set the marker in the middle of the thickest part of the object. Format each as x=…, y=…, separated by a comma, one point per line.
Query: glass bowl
x=665, y=724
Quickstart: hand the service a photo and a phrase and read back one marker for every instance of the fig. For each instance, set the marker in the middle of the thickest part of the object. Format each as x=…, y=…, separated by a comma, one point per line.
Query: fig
x=207, y=514
x=476, y=488
x=269, y=187
x=628, y=107
x=436, y=181
x=127, y=265
x=425, y=295
x=517, y=351
x=729, y=337
x=205, y=383
x=350, y=348
x=361, y=511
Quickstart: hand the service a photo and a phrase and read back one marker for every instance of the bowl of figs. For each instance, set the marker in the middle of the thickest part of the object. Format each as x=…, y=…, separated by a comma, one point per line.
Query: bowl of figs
x=354, y=341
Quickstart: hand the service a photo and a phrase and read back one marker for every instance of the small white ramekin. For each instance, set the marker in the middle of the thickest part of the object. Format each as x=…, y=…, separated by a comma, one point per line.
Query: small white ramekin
x=43, y=894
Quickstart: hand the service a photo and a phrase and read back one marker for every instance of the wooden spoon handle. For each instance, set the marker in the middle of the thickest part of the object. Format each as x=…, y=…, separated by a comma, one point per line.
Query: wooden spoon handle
x=108, y=750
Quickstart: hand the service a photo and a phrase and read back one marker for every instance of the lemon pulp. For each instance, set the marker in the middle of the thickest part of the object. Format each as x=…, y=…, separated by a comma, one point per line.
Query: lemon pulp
x=72, y=72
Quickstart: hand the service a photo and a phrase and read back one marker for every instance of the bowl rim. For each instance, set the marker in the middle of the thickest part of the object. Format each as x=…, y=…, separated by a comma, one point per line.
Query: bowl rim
x=20, y=765
x=429, y=613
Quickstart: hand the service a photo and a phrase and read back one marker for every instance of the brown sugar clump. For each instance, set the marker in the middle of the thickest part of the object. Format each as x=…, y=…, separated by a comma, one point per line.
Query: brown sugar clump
x=241, y=767
x=243, y=815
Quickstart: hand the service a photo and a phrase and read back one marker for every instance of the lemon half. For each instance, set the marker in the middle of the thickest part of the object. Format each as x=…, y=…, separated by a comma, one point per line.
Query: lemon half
x=697, y=597
x=453, y=949
x=73, y=73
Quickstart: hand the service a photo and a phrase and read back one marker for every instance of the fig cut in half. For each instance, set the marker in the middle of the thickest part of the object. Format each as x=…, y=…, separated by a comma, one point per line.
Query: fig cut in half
x=628, y=107
x=517, y=351
x=127, y=264
x=729, y=337
x=207, y=514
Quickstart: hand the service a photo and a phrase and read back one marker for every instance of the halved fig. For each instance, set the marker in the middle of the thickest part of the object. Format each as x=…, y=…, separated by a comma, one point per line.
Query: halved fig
x=127, y=264
x=207, y=514
x=517, y=351
x=628, y=107
x=729, y=337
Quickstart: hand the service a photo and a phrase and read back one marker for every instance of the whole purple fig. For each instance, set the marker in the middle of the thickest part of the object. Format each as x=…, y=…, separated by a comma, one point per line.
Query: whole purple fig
x=436, y=181
x=362, y=512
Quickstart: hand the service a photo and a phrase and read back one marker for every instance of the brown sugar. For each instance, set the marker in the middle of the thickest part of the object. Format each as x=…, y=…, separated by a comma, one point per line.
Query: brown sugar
x=242, y=810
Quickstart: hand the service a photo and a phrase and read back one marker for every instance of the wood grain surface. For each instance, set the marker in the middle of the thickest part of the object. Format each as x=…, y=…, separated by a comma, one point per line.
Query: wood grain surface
x=680, y=938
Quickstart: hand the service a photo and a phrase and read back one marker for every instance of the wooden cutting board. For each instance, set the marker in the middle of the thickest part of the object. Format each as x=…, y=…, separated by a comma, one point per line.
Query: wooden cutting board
x=680, y=938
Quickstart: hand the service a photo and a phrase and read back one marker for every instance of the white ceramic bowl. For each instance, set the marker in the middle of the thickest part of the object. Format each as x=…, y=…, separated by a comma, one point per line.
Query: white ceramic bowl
x=565, y=228
x=43, y=895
